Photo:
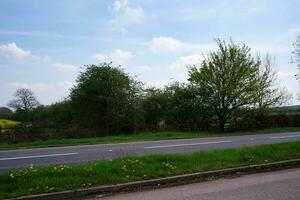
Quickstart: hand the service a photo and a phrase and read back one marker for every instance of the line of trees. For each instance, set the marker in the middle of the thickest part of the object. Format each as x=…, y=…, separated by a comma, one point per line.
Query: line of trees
x=229, y=90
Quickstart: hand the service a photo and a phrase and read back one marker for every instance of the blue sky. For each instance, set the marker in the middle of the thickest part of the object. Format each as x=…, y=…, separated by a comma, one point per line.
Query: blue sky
x=44, y=44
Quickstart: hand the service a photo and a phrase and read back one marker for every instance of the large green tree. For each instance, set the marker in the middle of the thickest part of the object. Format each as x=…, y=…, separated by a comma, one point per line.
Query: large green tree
x=229, y=78
x=103, y=98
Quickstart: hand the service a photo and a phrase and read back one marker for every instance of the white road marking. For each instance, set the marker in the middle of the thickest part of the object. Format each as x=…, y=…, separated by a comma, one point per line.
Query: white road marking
x=39, y=156
x=287, y=136
x=110, y=150
x=188, y=144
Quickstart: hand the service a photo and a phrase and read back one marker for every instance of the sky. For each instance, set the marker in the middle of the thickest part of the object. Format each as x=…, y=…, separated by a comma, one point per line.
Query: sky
x=45, y=44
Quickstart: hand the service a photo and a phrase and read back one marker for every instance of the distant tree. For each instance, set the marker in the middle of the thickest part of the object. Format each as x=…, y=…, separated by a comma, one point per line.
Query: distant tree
x=229, y=78
x=57, y=115
x=24, y=101
x=296, y=56
x=5, y=112
x=187, y=107
x=103, y=98
x=155, y=106
x=296, y=51
x=268, y=93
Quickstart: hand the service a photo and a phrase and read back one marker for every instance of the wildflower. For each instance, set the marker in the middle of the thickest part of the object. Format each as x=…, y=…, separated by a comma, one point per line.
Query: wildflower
x=12, y=175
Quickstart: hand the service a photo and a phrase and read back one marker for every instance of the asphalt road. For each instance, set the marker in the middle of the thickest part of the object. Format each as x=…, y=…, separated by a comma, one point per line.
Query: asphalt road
x=279, y=185
x=12, y=159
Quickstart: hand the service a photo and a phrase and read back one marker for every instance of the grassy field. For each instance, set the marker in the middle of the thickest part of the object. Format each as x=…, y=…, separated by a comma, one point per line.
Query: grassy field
x=61, y=177
x=135, y=137
x=295, y=109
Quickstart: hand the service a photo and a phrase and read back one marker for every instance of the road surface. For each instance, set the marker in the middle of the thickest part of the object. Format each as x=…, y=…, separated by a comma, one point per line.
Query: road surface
x=11, y=159
x=279, y=185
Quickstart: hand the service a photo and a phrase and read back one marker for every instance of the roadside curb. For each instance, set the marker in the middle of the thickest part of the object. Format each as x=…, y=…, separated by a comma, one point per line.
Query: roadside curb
x=164, y=182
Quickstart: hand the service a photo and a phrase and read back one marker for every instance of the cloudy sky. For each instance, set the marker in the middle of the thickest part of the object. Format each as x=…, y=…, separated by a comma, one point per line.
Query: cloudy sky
x=44, y=44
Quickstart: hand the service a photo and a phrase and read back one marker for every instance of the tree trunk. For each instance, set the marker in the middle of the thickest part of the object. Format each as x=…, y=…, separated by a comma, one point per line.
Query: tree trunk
x=222, y=124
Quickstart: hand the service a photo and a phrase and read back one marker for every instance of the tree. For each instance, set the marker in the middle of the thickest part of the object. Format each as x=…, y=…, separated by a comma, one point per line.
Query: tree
x=103, y=97
x=154, y=105
x=268, y=94
x=24, y=101
x=229, y=78
x=5, y=112
x=187, y=107
x=296, y=51
x=296, y=56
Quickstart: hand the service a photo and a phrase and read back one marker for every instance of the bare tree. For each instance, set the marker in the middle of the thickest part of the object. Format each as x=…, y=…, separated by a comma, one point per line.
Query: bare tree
x=268, y=92
x=24, y=100
x=296, y=56
x=296, y=51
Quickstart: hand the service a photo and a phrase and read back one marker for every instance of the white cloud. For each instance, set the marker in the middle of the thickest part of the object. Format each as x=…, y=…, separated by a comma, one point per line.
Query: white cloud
x=165, y=44
x=184, y=61
x=173, y=45
x=290, y=74
x=143, y=68
x=270, y=48
x=178, y=69
x=121, y=57
x=100, y=57
x=61, y=66
x=125, y=16
x=160, y=83
x=223, y=11
x=118, y=57
x=121, y=6
x=12, y=50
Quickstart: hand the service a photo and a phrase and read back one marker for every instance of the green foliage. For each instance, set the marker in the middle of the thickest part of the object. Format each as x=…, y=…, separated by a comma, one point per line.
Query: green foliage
x=234, y=81
x=56, y=178
x=229, y=90
x=187, y=107
x=58, y=115
x=154, y=105
x=103, y=99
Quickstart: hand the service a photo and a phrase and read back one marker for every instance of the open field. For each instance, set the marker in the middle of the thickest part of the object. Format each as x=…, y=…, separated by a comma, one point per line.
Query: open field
x=137, y=137
x=6, y=123
x=61, y=177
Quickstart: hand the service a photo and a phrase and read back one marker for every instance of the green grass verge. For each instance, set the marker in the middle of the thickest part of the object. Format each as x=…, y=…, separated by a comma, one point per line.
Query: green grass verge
x=135, y=137
x=60, y=177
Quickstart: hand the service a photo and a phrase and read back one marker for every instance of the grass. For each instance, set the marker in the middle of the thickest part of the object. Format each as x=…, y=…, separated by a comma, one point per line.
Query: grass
x=135, y=137
x=61, y=177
